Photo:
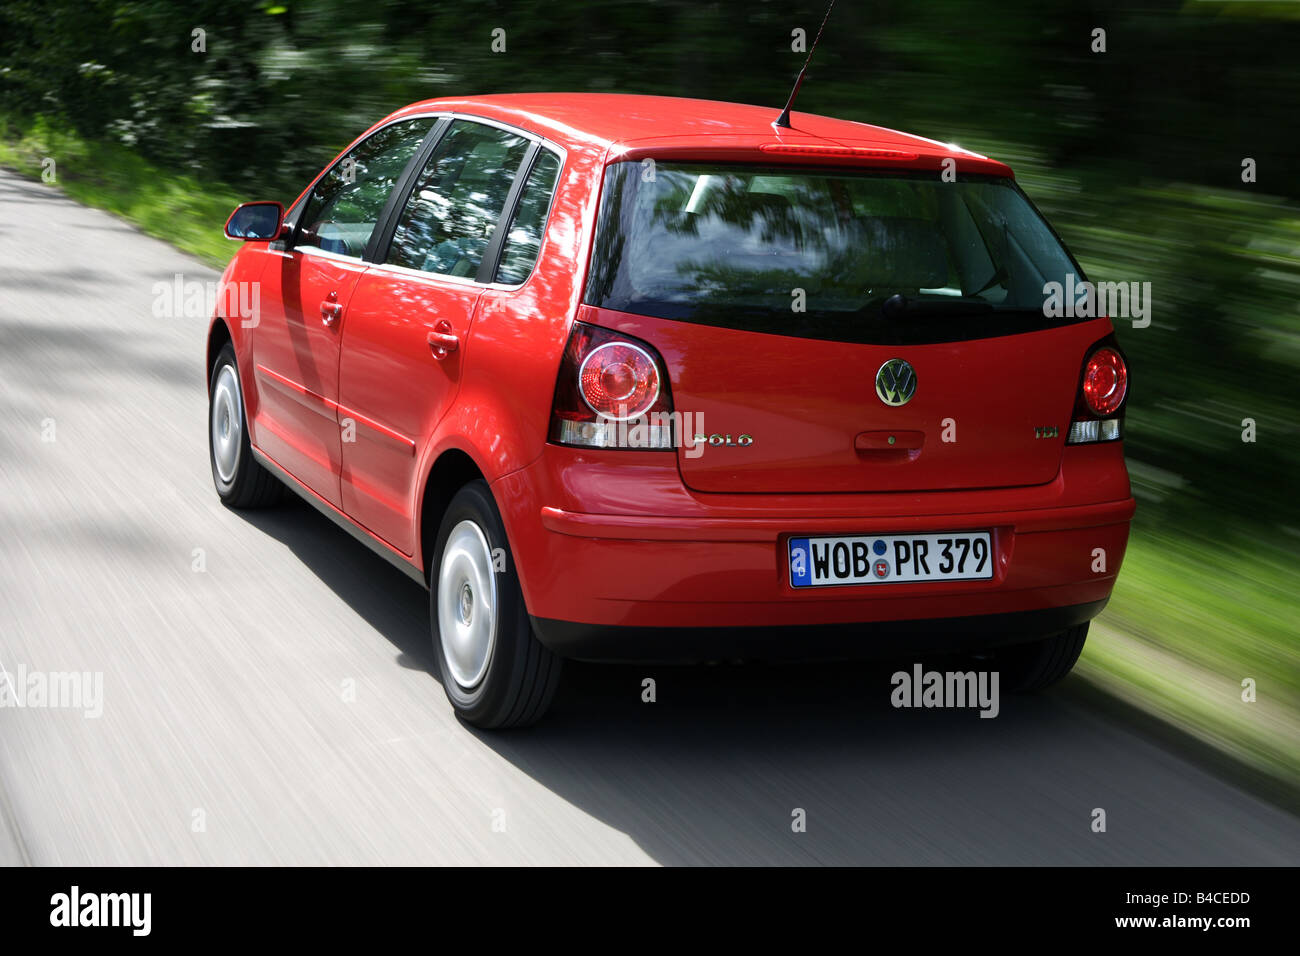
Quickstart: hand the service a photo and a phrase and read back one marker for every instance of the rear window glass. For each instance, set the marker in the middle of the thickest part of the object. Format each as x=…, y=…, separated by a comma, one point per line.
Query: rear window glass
x=824, y=253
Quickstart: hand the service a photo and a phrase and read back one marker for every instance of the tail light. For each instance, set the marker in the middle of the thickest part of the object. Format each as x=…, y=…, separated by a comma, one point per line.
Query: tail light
x=1099, y=408
x=612, y=392
x=1105, y=382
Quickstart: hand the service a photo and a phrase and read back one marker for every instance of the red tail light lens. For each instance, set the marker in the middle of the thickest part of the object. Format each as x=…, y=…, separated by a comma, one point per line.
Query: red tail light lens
x=612, y=392
x=1105, y=382
x=619, y=381
x=1099, y=406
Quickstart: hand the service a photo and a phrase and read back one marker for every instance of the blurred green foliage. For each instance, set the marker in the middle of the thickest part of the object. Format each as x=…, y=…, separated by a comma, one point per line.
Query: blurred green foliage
x=1135, y=154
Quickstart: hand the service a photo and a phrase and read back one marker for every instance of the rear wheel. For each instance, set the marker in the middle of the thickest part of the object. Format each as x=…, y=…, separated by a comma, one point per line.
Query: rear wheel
x=1026, y=668
x=494, y=670
x=241, y=481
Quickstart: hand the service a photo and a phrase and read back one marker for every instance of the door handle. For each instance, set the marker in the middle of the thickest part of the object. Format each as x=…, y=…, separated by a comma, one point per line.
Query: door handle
x=331, y=309
x=442, y=340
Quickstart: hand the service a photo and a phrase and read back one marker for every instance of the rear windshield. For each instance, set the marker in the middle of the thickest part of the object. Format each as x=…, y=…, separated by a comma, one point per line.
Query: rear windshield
x=822, y=253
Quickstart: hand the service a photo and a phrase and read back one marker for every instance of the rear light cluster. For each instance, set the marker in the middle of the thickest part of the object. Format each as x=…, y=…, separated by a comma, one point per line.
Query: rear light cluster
x=1098, y=410
x=612, y=392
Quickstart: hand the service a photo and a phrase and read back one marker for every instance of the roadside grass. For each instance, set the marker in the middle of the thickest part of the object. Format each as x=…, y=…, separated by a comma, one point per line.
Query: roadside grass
x=1209, y=594
x=1194, y=613
x=187, y=212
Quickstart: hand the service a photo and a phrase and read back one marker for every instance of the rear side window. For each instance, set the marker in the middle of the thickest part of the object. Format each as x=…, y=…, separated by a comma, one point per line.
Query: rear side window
x=458, y=198
x=524, y=239
x=823, y=253
x=344, y=207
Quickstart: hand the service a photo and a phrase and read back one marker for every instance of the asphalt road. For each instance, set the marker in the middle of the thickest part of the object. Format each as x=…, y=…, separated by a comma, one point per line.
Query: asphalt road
x=268, y=698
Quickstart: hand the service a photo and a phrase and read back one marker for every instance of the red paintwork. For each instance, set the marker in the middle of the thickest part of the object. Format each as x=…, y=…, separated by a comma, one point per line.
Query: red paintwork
x=655, y=538
x=296, y=366
x=806, y=400
x=596, y=537
x=396, y=391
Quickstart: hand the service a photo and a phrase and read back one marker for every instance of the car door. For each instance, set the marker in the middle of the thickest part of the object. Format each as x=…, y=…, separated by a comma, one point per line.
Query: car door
x=306, y=290
x=404, y=349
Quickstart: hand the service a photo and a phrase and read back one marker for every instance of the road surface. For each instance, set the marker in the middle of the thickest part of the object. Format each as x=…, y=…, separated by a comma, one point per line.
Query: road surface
x=266, y=694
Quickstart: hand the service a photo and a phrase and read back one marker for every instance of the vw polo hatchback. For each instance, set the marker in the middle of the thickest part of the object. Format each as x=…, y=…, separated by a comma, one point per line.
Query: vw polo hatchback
x=641, y=378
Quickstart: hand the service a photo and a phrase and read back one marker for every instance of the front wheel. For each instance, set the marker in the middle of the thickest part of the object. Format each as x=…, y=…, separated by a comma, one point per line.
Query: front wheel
x=1031, y=667
x=494, y=670
x=240, y=479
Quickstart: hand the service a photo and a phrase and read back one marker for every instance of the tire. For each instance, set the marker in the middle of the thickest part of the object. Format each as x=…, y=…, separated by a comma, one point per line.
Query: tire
x=240, y=479
x=494, y=670
x=1028, y=668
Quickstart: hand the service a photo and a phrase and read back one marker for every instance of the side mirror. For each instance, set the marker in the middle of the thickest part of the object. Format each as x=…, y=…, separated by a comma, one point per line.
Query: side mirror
x=256, y=221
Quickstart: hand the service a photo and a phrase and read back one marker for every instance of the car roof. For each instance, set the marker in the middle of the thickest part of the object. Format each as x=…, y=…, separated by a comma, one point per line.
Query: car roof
x=625, y=125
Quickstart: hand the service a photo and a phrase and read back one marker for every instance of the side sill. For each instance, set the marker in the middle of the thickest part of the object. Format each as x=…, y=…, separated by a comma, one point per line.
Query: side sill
x=342, y=520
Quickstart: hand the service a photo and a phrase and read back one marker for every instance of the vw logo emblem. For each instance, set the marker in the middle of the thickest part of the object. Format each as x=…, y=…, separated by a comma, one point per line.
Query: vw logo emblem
x=896, y=382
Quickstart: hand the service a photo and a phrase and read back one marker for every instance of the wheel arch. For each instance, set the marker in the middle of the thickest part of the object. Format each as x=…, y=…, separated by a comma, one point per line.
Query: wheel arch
x=453, y=468
x=218, y=338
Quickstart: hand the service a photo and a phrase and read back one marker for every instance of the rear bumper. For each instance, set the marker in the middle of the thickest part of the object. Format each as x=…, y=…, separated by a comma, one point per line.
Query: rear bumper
x=617, y=559
x=882, y=639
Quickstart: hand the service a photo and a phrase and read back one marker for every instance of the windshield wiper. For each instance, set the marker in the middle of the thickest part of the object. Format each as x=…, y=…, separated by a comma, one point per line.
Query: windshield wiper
x=899, y=306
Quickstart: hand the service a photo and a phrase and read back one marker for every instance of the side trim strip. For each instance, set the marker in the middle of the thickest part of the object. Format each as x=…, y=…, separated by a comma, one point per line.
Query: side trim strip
x=396, y=438
x=313, y=400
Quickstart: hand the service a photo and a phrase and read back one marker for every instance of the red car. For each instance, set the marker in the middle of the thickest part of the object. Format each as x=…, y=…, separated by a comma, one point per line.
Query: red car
x=644, y=378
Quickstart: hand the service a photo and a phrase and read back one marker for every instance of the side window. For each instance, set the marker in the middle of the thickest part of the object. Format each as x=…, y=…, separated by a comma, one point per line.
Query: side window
x=524, y=239
x=343, y=209
x=457, y=200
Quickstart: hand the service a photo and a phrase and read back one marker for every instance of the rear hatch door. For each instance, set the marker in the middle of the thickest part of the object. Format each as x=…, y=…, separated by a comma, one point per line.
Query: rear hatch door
x=837, y=330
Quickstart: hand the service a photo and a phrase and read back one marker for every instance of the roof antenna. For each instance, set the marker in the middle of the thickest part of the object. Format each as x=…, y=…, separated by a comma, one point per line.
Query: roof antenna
x=783, y=121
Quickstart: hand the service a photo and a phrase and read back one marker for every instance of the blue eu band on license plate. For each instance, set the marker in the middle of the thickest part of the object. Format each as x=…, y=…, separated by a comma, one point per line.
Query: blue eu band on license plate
x=891, y=558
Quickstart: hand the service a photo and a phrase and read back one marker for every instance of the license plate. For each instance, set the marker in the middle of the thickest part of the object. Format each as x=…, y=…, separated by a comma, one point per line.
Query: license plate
x=891, y=558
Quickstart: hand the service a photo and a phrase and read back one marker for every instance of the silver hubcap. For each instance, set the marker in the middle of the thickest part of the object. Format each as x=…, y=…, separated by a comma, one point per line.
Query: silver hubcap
x=226, y=423
x=467, y=604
